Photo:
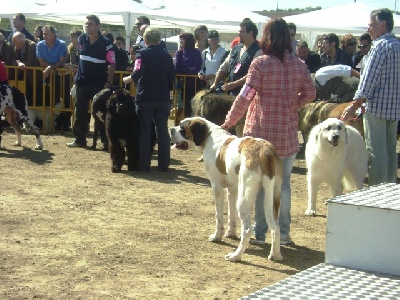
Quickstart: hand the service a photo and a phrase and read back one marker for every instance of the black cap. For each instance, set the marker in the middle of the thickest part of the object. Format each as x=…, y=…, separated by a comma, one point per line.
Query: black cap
x=213, y=34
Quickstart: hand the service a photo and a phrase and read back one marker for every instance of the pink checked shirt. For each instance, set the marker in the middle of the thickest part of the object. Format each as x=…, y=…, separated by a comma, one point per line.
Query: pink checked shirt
x=279, y=90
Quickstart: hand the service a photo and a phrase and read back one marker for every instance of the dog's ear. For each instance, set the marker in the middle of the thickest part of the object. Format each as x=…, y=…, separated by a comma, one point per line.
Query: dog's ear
x=199, y=132
x=318, y=132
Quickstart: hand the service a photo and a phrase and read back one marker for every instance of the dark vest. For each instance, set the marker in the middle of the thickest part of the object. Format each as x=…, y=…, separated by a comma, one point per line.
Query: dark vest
x=239, y=66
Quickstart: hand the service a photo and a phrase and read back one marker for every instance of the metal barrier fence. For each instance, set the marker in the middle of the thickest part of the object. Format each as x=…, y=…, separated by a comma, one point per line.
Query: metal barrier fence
x=51, y=96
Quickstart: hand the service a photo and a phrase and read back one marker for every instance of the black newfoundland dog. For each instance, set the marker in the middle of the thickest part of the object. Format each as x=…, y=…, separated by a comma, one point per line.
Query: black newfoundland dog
x=99, y=112
x=122, y=129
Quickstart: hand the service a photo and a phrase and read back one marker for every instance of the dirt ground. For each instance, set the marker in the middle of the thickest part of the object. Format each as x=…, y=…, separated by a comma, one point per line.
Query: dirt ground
x=70, y=229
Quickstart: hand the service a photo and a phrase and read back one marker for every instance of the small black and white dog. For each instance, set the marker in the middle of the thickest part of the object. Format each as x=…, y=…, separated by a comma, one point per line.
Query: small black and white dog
x=15, y=107
x=122, y=129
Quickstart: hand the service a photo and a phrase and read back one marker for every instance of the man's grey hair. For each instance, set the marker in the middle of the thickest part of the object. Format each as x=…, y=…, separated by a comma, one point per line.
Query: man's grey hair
x=386, y=15
x=51, y=28
x=152, y=36
x=19, y=36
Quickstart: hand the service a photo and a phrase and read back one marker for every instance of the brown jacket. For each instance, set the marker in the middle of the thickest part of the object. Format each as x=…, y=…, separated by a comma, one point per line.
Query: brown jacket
x=7, y=53
x=27, y=55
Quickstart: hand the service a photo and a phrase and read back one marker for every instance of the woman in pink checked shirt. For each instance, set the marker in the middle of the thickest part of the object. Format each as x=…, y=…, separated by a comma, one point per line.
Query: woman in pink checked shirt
x=277, y=85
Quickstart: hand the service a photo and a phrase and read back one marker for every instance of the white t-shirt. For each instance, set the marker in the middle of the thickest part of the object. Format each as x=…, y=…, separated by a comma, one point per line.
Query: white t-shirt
x=210, y=63
x=328, y=72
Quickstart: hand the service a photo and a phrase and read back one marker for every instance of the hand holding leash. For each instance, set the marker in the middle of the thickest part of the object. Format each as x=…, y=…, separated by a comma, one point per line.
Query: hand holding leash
x=350, y=113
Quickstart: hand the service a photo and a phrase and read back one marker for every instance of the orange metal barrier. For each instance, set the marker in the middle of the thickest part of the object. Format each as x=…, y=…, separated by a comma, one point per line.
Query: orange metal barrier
x=43, y=95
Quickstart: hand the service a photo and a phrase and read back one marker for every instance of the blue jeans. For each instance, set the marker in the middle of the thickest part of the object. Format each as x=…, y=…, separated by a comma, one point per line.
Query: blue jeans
x=261, y=226
x=380, y=139
x=159, y=112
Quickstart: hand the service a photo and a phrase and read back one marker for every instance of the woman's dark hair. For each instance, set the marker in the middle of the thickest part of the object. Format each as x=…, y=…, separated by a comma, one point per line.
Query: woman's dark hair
x=276, y=38
x=40, y=27
x=189, y=40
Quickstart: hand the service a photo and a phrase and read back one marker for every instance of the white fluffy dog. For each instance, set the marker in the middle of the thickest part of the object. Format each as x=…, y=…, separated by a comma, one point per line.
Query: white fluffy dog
x=334, y=152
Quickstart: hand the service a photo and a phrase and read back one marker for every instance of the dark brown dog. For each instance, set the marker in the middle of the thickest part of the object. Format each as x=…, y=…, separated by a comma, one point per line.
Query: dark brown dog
x=214, y=107
x=314, y=113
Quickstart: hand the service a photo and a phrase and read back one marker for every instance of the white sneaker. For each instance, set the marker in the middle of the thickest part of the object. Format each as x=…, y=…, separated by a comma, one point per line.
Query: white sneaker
x=74, y=144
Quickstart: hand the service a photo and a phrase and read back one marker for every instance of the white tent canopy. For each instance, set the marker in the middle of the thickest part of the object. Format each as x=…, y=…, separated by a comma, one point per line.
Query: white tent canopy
x=344, y=19
x=75, y=11
x=125, y=12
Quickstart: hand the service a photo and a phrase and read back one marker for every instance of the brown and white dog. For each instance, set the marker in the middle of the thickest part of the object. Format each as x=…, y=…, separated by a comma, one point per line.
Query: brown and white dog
x=242, y=166
x=15, y=107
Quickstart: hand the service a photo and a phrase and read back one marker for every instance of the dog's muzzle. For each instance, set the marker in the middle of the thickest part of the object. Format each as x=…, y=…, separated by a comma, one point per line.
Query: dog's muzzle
x=335, y=140
x=178, y=145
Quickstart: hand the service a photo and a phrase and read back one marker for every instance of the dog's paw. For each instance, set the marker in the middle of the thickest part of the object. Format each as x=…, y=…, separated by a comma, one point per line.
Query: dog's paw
x=275, y=257
x=310, y=212
x=38, y=147
x=233, y=257
x=214, y=238
x=231, y=234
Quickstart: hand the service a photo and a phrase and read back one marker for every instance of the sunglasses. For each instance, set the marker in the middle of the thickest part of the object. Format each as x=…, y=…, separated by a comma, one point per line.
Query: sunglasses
x=351, y=44
x=363, y=46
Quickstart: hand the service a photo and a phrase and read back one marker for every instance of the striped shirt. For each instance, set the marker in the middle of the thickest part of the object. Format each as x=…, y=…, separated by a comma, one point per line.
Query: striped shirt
x=380, y=79
x=272, y=95
x=94, y=60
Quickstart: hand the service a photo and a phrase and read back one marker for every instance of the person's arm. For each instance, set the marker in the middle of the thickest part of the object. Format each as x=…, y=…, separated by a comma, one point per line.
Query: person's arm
x=197, y=62
x=222, y=72
x=49, y=67
x=32, y=59
x=245, y=97
x=307, y=90
x=110, y=58
x=221, y=75
x=234, y=84
x=367, y=83
x=201, y=73
x=139, y=68
x=171, y=75
x=355, y=73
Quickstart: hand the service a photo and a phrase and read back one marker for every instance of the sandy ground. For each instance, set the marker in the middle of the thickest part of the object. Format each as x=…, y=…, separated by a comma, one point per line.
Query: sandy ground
x=70, y=229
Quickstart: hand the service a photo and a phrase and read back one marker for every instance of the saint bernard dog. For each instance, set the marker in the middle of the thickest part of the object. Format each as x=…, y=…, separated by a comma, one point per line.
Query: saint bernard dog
x=242, y=166
x=15, y=107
